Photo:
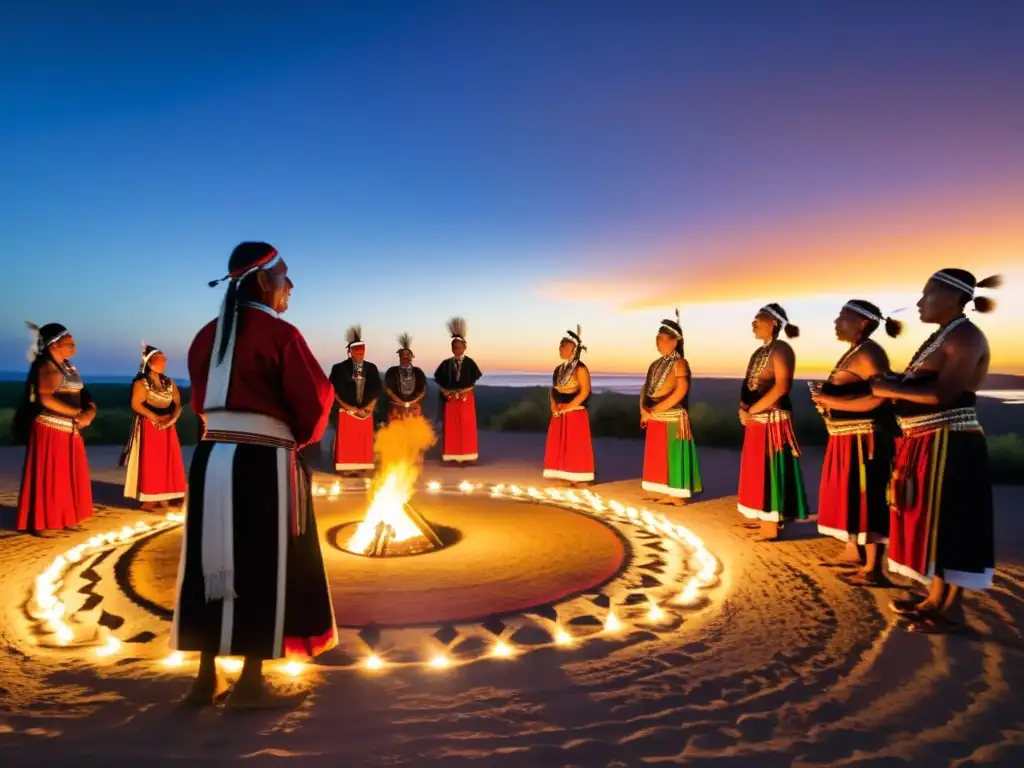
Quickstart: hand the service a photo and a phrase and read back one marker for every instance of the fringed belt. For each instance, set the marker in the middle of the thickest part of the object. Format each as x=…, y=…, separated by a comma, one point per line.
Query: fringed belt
x=955, y=420
x=850, y=427
x=675, y=416
x=248, y=428
x=62, y=423
x=780, y=430
x=769, y=417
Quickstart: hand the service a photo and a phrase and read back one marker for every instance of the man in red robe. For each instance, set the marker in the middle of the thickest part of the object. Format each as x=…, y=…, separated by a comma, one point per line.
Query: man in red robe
x=251, y=577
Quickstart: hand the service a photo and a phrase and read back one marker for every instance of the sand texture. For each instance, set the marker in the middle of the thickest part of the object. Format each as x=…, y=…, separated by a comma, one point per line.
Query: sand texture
x=786, y=665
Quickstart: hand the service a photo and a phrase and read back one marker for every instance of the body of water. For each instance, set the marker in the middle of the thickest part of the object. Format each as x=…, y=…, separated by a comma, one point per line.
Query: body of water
x=627, y=384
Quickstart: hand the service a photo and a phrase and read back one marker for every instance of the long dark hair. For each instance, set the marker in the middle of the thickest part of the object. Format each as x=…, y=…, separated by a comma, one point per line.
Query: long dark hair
x=29, y=406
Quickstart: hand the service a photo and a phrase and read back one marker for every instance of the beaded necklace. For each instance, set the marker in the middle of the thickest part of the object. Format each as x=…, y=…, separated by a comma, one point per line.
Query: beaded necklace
x=930, y=346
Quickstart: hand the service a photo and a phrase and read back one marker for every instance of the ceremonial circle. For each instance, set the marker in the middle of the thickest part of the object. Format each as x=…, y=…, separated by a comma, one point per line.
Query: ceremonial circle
x=507, y=556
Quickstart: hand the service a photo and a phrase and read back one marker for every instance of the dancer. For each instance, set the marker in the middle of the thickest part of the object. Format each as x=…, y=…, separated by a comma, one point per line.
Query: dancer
x=55, y=492
x=852, y=500
x=456, y=377
x=942, y=517
x=569, y=453
x=251, y=580
x=155, y=472
x=356, y=390
x=670, y=457
x=405, y=384
x=771, y=484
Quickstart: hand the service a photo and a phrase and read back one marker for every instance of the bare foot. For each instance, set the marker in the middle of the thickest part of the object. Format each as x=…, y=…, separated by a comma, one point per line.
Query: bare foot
x=671, y=501
x=148, y=506
x=259, y=695
x=206, y=690
x=46, y=534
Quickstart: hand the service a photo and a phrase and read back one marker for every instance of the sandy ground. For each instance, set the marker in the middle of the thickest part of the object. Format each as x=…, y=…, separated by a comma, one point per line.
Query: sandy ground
x=788, y=666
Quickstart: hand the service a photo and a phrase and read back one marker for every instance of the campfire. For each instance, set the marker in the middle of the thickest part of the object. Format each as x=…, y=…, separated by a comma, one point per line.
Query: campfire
x=391, y=526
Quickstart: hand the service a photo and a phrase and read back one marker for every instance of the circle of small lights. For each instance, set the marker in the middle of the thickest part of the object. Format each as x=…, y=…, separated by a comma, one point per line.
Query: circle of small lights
x=49, y=612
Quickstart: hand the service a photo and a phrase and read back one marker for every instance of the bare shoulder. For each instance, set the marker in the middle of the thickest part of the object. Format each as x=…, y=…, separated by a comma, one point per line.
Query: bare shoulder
x=783, y=351
x=965, y=336
x=681, y=367
x=874, y=355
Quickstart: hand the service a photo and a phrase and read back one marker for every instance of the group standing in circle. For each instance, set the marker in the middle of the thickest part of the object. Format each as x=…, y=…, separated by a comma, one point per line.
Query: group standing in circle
x=906, y=465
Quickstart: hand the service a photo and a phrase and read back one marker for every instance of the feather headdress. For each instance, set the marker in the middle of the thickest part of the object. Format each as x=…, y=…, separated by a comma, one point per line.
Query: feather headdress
x=43, y=336
x=457, y=328
x=405, y=343
x=354, y=336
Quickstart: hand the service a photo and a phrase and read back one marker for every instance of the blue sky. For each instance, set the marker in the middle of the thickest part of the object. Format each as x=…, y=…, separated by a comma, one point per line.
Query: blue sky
x=500, y=160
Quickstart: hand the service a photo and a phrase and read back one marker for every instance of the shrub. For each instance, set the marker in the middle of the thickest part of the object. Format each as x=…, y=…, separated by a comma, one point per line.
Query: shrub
x=1006, y=454
x=524, y=416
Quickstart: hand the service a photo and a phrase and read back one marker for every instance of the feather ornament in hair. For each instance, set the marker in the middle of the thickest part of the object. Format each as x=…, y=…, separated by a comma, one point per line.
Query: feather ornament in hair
x=405, y=341
x=354, y=334
x=579, y=331
x=33, y=351
x=457, y=327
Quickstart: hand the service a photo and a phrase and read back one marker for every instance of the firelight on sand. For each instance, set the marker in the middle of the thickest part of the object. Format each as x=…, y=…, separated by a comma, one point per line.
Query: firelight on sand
x=389, y=520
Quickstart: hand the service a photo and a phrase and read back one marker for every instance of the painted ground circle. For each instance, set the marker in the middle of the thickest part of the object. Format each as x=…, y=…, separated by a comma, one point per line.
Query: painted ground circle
x=509, y=556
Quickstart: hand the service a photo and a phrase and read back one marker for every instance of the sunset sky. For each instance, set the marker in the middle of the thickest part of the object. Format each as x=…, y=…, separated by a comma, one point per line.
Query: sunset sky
x=529, y=165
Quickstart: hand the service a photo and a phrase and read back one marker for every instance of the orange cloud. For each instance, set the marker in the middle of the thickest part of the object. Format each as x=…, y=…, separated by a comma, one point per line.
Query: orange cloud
x=869, y=250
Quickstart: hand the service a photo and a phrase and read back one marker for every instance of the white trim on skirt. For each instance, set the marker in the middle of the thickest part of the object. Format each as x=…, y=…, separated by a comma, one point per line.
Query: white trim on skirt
x=576, y=477
x=679, y=493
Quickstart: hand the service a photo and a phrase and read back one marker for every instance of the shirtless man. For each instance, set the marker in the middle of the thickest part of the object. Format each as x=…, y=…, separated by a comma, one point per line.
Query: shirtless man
x=941, y=528
x=771, y=487
x=671, y=471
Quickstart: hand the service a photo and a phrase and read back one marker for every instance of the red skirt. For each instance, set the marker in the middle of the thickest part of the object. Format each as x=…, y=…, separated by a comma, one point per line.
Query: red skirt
x=353, y=443
x=771, y=487
x=155, y=471
x=55, y=489
x=569, y=454
x=852, y=497
x=460, y=443
x=942, y=521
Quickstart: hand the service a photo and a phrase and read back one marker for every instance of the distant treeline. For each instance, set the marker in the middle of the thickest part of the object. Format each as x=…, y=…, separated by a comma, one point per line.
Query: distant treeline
x=713, y=415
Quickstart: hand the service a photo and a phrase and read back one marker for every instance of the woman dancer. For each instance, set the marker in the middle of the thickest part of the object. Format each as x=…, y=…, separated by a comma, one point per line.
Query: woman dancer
x=941, y=527
x=569, y=453
x=670, y=458
x=852, y=501
x=155, y=473
x=771, y=484
x=55, y=489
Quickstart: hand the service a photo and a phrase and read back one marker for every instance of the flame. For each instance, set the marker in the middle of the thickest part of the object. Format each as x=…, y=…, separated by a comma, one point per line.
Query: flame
x=400, y=445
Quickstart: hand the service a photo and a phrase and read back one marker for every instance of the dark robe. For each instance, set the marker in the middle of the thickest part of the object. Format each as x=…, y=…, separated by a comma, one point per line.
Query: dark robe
x=469, y=374
x=391, y=381
x=345, y=385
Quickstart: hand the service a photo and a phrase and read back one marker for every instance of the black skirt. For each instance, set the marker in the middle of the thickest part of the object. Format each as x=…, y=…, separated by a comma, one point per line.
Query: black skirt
x=282, y=605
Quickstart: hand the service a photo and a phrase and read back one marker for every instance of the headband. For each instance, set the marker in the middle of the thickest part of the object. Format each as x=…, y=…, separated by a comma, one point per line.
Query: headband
x=863, y=312
x=954, y=282
x=783, y=322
